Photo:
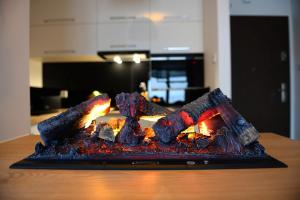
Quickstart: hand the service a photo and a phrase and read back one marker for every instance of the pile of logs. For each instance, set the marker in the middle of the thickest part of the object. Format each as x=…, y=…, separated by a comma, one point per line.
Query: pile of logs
x=236, y=133
x=133, y=106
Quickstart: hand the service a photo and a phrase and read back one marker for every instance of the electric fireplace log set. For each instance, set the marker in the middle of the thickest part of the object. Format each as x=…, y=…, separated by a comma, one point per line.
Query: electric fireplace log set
x=207, y=128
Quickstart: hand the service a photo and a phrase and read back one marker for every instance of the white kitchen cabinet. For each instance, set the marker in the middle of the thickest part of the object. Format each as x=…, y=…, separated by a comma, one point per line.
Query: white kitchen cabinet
x=176, y=10
x=62, y=11
x=122, y=10
x=177, y=37
x=60, y=40
x=123, y=36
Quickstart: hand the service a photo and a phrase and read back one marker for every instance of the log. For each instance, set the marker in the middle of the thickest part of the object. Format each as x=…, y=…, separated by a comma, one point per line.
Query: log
x=67, y=123
x=245, y=131
x=202, y=143
x=135, y=105
x=131, y=133
x=227, y=142
x=167, y=128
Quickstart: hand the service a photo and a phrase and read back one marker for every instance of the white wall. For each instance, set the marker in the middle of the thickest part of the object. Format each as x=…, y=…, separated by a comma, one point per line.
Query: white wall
x=210, y=41
x=36, y=73
x=224, y=46
x=291, y=9
x=217, y=52
x=14, y=69
x=295, y=13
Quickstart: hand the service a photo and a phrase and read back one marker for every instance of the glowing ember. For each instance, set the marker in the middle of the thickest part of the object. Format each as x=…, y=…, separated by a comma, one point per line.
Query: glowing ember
x=149, y=133
x=97, y=111
x=191, y=136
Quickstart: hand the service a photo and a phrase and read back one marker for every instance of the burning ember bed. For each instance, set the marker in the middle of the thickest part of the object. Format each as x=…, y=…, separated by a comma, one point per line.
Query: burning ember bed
x=204, y=134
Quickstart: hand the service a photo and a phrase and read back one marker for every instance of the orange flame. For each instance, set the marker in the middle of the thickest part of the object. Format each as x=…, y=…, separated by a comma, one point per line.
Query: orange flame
x=92, y=128
x=116, y=124
x=190, y=129
x=97, y=111
x=198, y=128
x=204, y=130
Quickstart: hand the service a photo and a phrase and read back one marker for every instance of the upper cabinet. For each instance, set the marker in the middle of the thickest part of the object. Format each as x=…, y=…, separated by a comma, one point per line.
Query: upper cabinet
x=122, y=10
x=177, y=37
x=176, y=10
x=123, y=36
x=57, y=40
x=44, y=12
x=83, y=27
x=176, y=26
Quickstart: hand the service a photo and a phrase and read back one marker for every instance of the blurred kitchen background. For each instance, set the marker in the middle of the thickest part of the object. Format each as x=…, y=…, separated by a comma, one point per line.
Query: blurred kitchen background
x=174, y=51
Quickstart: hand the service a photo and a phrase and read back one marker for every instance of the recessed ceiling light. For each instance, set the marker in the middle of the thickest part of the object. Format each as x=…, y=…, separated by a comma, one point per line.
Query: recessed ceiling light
x=118, y=59
x=136, y=58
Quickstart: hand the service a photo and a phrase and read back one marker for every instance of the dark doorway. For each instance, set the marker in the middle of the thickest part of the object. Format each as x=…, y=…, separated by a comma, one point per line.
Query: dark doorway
x=260, y=71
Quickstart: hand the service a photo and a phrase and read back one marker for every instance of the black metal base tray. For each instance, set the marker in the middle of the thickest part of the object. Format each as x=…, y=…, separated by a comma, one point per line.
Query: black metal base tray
x=266, y=162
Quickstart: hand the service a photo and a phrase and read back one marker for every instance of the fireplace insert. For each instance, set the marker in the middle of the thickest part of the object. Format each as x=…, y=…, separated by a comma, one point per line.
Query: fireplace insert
x=207, y=133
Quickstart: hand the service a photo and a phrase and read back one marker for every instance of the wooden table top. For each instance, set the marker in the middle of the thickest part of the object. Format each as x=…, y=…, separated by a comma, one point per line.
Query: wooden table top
x=280, y=183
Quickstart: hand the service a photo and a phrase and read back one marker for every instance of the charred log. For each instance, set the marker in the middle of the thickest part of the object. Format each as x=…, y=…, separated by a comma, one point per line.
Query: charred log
x=243, y=130
x=202, y=143
x=167, y=128
x=255, y=148
x=204, y=103
x=227, y=142
x=67, y=123
x=39, y=148
x=135, y=105
x=131, y=133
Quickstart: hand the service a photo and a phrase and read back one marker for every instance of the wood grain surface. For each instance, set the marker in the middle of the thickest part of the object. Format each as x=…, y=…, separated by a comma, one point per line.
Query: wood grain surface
x=283, y=183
